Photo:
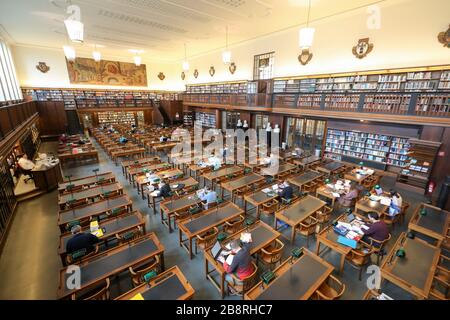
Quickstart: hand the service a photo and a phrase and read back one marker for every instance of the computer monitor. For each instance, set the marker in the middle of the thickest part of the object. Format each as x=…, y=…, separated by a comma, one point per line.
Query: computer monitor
x=350, y=217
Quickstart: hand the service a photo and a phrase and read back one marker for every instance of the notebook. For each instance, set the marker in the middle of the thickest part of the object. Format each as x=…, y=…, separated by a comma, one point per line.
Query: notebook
x=347, y=242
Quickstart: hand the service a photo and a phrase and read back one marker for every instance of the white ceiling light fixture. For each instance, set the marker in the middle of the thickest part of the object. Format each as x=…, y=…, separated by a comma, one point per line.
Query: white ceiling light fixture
x=226, y=55
x=137, y=58
x=306, y=38
x=96, y=54
x=74, y=26
x=69, y=52
x=185, y=62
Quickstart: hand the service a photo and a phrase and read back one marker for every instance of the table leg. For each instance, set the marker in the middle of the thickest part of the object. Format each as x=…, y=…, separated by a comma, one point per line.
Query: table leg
x=341, y=268
x=293, y=234
x=222, y=285
x=190, y=248
x=317, y=247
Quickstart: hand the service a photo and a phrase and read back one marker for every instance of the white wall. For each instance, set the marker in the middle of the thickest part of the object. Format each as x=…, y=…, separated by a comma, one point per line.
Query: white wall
x=26, y=59
x=407, y=38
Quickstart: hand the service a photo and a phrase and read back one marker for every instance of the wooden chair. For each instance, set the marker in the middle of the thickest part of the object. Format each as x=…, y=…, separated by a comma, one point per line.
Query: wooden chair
x=270, y=207
x=404, y=210
x=73, y=189
x=391, y=221
x=332, y=289
x=138, y=273
x=307, y=228
x=271, y=255
x=117, y=212
x=128, y=236
x=206, y=240
x=359, y=258
x=93, y=292
x=234, y=226
x=111, y=194
x=309, y=187
x=441, y=279
x=240, y=193
x=377, y=246
x=241, y=286
x=324, y=215
x=80, y=255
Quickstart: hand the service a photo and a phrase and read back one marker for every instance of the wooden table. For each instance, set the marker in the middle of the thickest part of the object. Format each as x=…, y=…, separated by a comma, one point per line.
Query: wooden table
x=89, y=194
x=115, y=155
x=434, y=224
x=205, y=221
x=328, y=238
x=169, y=207
x=282, y=168
x=213, y=176
x=169, y=285
x=357, y=177
x=305, y=178
x=87, y=181
x=262, y=235
x=247, y=180
x=196, y=170
x=142, y=170
x=258, y=198
x=365, y=205
x=295, y=279
x=141, y=181
x=128, y=164
x=64, y=157
x=112, y=262
x=112, y=227
x=331, y=167
x=324, y=191
x=413, y=273
x=93, y=210
x=298, y=212
x=306, y=162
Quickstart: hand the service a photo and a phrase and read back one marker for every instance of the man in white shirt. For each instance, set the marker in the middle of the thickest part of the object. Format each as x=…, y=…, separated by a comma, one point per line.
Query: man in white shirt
x=208, y=196
x=25, y=163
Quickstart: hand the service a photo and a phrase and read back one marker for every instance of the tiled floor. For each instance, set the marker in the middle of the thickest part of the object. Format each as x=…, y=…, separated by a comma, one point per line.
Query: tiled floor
x=29, y=263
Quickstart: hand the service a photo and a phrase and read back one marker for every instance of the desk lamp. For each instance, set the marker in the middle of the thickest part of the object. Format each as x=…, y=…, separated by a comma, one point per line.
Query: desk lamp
x=296, y=253
x=267, y=277
x=401, y=253
x=423, y=212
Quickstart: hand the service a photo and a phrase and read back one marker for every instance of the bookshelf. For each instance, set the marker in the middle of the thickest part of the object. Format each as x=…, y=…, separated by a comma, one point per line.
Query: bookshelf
x=244, y=87
x=368, y=147
x=387, y=103
x=94, y=98
x=188, y=119
x=206, y=120
x=435, y=104
x=106, y=118
x=419, y=163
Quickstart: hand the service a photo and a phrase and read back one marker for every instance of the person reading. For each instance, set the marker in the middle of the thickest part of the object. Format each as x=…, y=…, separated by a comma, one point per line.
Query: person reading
x=208, y=196
x=377, y=229
x=81, y=240
x=286, y=191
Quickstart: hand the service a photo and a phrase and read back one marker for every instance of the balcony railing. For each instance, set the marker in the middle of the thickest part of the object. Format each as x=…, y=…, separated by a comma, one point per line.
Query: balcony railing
x=242, y=100
x=12, y=116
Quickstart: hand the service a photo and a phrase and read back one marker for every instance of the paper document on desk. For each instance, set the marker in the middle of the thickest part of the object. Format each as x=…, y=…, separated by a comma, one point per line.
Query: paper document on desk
x=229, y=260
x=344, y=224
x=385, y=201
x=384, y=296
x=336, y=195
x=267, y=190
x=364, y=227
x=138, y=297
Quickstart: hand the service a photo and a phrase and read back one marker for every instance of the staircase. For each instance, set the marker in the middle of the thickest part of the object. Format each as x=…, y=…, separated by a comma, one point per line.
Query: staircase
x=157, y=106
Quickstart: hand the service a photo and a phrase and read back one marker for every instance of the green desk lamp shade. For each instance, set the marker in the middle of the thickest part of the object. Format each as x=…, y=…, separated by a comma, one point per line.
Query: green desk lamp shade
x=348, y=211
x=361, y=163
x=128, y=235
x=145, y=170
x=247, y=170
x=71, y=201
x=249, y=221
x=70, y=187
x=377, y=187
x=267, y=276
x=327, y=180
x=72, y=224
x=423, y=212
x=101, y=179
x=218, y=200
x=297, y=253
x=116, y=211
x=194, y=210
x=221, y=236
x=230, y=176
x=107, y=193
x=401, y=253
x=136, y=162
x=411, y=235
x=149, y=276
x=157, y=181
x=78, y=254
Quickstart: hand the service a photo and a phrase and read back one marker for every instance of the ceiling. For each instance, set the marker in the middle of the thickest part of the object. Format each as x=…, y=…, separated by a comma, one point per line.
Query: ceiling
x=160, y=27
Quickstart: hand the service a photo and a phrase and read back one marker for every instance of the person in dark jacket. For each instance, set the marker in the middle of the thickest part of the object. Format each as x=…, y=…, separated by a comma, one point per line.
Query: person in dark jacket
x=377, y=229
x=165, y=189
x=287, y=191
x=81, y=241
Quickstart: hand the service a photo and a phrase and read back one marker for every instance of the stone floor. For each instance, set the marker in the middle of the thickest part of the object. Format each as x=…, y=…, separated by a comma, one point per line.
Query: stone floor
x=29, y=263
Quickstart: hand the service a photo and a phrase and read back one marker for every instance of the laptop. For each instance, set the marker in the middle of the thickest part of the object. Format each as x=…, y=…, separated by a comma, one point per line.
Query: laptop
x=350, y=217
x=216, y=250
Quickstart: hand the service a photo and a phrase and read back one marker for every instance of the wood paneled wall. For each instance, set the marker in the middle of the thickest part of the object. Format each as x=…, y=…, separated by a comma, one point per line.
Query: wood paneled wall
x=53, y=119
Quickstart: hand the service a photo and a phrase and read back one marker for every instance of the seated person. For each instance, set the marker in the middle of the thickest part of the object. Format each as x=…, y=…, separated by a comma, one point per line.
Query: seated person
x=396, y=203
x=286, y=191
x=242, y=265
x=26, y=164
x=377, y=229
x=80, y=241
x=347, y=198
x=123, y=140
x=164, y=189
x=162, y=139
x=215, y=162
x=208, y=196
x=63, y=138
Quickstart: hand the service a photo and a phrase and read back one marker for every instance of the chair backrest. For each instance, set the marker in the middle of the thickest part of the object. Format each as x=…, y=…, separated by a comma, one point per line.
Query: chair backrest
x=208, y=240
x=102, y=294
x=235, y=225
x=308, y=225
x=128, y=236
x=138, y=276
x=250, y=281
x=275, y=251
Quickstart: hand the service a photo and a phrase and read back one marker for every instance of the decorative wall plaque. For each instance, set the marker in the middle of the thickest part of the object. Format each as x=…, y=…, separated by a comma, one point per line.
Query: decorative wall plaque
x=161, y=76
x=212, y=71
x=232, y=68
x=43, y=67
x=305, y=57
x=183, y=75
x=444, y=37
x=363, y=48
x=196, y=73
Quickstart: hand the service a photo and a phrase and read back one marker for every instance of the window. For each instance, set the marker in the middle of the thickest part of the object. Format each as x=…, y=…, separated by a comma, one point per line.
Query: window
x=232, y=119
x=261, y=121
x=263, y=66
x=307, y=134
x=9, y=86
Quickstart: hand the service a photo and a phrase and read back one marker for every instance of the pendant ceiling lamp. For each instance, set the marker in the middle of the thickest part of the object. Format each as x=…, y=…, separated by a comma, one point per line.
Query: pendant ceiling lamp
x=185, y=62
x=306, y=38
x=226, y=55
x=74, y=26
